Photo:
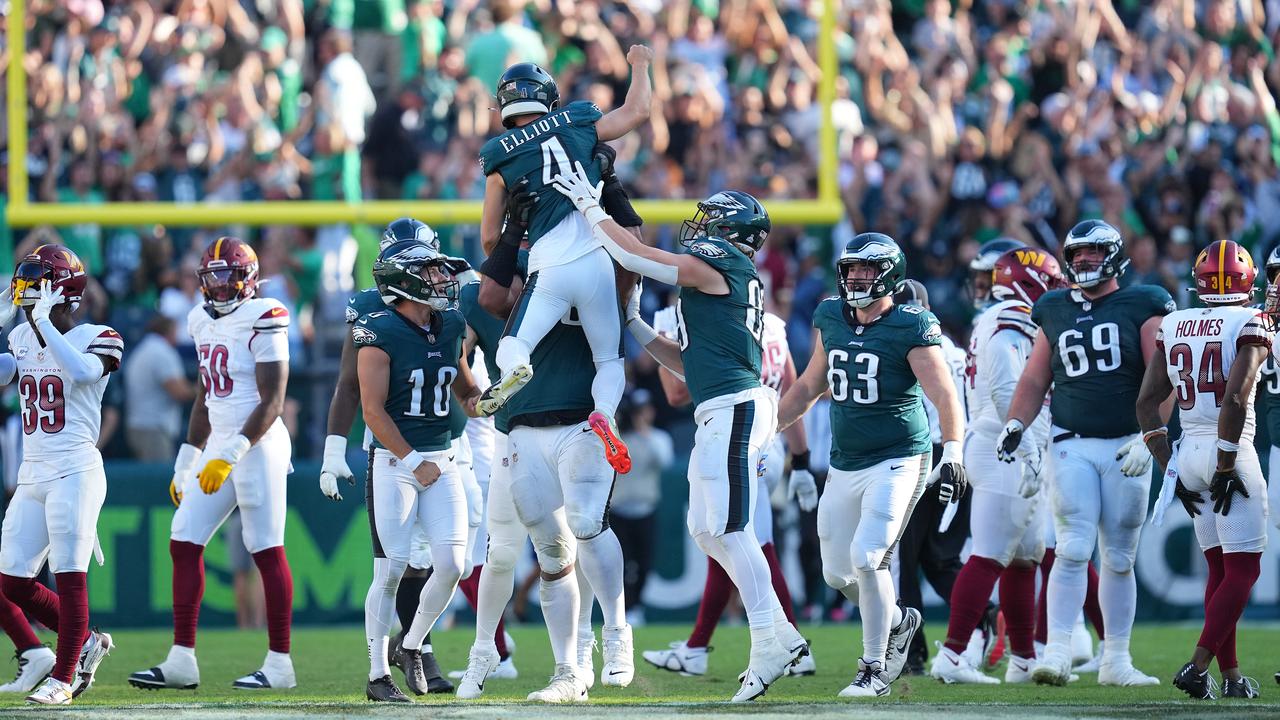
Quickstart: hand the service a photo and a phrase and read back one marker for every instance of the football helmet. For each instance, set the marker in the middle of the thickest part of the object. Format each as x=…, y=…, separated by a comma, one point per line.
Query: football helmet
x=879, y=252
x=978, y=284
x=1094, y=233
x=228, y=274
x=411, y=270
x=1025, y=274
x=1273, y=263
x=55, y=263
x=407, y=228
x=730, y=215
x=526, y=89
x=1224, y=274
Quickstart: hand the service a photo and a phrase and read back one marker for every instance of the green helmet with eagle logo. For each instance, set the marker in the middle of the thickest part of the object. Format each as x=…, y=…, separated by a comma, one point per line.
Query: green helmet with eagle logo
x=731, y=215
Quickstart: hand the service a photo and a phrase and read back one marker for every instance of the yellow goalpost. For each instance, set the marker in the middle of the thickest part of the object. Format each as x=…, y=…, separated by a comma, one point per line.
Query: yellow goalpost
x=825, y=210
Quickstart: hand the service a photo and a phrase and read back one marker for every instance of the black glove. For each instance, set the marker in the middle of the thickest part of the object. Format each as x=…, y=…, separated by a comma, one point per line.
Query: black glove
x=605, y=155
x=953, y=483
x=1190, y=500
x=1225, y=484
x=456, y=266
x=613, y=197
x=520, y=204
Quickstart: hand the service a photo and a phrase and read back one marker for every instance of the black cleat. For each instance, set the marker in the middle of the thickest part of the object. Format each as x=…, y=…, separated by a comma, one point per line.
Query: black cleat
x=1245, y=687
x=384, y=690
x=411, y=665
x=1199, y=685
x=436, y=681
x=395, y=653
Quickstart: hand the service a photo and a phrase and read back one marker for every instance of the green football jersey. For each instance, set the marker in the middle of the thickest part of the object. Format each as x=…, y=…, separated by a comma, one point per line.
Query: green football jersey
x=424, y=363
x=488, y=330
x=560, y=391
x=363, y=303
x=719, y=335
x=1269, y=398
x=1096, y=355
x=541, y=150
x=877, y=406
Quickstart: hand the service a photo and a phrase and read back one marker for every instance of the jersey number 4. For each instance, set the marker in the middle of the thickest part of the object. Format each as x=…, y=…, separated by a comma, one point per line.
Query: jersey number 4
x=553, y=154
x=1208, y=380
x=439, y=408
x=43, y=404
x=213, y=370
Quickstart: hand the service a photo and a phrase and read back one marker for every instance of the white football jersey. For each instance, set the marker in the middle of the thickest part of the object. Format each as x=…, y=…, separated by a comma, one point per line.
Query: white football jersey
x=773, y=351
x=229, y=347
x=1199, y=345
x=955, y=358
x=61, y=419
x=995, y=361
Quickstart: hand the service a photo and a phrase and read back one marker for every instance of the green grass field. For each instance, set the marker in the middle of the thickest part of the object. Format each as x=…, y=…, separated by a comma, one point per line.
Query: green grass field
x=331, y=669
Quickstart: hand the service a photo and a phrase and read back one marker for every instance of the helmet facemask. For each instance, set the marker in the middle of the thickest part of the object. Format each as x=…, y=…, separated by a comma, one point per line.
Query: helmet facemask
x=427, y=282
x=1087, y=274
x=862, y=281
x=226, y=286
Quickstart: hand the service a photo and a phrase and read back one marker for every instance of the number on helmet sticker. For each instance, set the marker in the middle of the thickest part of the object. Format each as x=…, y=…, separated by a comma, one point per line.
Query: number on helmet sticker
x=553, y=154
x=1104, y=342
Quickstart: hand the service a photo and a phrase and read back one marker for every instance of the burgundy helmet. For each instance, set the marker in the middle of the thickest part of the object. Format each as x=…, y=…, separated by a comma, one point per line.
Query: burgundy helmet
x=55, y=263
x=1025, y=274
x=228, y=274
x=1225, y=273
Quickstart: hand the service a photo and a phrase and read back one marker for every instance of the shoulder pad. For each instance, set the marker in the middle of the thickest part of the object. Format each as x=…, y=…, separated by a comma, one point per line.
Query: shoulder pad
x=583, y=111
x=709, y=249
x=1017, y=318
x=273, y=319
x=107, y=343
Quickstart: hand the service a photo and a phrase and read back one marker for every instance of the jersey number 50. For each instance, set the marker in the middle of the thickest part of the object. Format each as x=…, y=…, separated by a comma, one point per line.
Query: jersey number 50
x=213, y=370
x=43, y=405
x=1075, y=354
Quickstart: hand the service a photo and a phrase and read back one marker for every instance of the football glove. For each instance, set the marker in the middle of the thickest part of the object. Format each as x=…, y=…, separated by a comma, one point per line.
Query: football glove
x=578, y=188
x=334, y=467
x=800, y=485
x=49, y=298
x=1225, y=484
x=1032, y=476
x=665, y=322
x=605, y=156
x=7, y=308
x=520, y=204
x=1135, y=457
x=188, y=458
x=215, y=471
x=1190, y=500
x=1009, y=439
x=949, y=474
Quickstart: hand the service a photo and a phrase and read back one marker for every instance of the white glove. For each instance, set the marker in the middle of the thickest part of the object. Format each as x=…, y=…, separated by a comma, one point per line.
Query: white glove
x=633, y=303
x=334, y=467
x=1009, y=440
x=802, y=488
x=475, y=499
x=1136, y=458
x=949, y=473
x=183, y=471
x=1032, y=470
x=49, y=298
x=7, y=308
x=584, y=196
x=1168, y=491
x=665, y=322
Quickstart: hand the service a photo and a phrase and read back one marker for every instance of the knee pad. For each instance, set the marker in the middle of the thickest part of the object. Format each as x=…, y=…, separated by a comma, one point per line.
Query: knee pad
x=837, y=582
x=585, y=526
x=869, y=559
x=501, y=558
x=556, y=556
x=1116, y=561
x=1074, y=548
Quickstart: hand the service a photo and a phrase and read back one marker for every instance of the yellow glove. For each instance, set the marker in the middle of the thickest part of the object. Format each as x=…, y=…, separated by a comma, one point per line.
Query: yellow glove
x=174, y=493
x=217, y=469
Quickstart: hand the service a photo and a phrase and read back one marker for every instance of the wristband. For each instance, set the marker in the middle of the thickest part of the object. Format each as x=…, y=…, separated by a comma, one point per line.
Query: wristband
x=412, y=460
x=800, y=461
x=1228, y=446
x=595, y=215
x=335, y=446
x=236, y=449
x=500, y=266
x=952, y=452
x=1149, y=435
x=641, y=331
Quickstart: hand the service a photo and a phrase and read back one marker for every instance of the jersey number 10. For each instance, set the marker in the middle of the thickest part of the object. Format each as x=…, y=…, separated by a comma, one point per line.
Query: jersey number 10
x=439, y=408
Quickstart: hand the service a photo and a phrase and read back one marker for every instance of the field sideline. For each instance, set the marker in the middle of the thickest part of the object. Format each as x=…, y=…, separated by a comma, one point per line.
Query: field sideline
x=331, y=668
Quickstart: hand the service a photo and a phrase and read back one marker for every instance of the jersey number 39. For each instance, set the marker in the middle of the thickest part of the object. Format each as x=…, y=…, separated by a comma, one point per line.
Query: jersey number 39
x=43, y=404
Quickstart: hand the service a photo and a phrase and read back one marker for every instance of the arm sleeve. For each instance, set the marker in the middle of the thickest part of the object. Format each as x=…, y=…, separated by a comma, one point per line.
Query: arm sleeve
x=1006, y=358
x=661, y=272
x=81, y=368
x=270, y=340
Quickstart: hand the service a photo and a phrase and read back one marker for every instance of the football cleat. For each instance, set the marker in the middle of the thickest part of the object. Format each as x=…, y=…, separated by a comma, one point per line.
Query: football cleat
x=179, y=671
x=276, y=673
x=953, y=668
x=96, y=647
x=436, y=683
x=1019, y=670
x=497, y=394
x=1123, y=674
x=766, y=665
x=1200, y=685
x=410, y=663
x=753, y=686
x=1081, y=643
x=679, y=658
x=480, y=667
x=793, y=641
x=52, y=692
x=619, y=657
x=803, y=667
x=1053, y=669
x=586, y=658
x=1245, y=687
x=900, y=637
x=615, y=451
x=34, y=665
x=384, y=690
x=563, y=688
x=506, y=670
x=871, y=681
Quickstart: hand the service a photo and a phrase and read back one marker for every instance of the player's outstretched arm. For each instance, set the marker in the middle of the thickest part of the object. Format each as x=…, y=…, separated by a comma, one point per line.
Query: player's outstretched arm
x=805, y=390
x=797, y=441
x=373, y=366
x=635, y=109
x=1152, y=394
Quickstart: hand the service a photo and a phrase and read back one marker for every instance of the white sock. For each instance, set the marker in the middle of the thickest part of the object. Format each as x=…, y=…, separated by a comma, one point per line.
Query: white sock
x=750, y=571
x=1117, y=649
x=1068, y=585
x=560, y=602
x=447, y=562
x=512, y=351
x=877, y=603
x=896, y=619
x=1118, y=597
x=497, y=581
x=380, y=611
x=600, y=559
x=608, y=385
x=182, y=650
x=586, y=601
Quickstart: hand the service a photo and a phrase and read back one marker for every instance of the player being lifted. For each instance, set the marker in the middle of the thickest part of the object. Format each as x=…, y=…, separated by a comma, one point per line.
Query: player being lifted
x=1006, y=520
x=721, y=314
x=61, y=370
x=567, y=268
x=409, y=363
x=1093, y=343
x=875, y=357
x=243, y=347
x=1210, y=359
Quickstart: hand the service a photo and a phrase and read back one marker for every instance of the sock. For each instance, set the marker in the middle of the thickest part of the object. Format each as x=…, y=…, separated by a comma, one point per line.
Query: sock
x=512, y=351
x=1018, y=603
x=447, y=562
x=493, y=592
x=277, y=586
x=1240, y=572
x=600, y=558
x=875, y=589
x=715, y=598
x=969, y=597
x=1042, y=603
x=750, y=571
x=188, y=589
x=16, y=626
x=1092, y=609
x=73, y=622
x=36, y=599
x=379, y=609
x=779, y=581
x=470, y=586
x=607, y=387
x=1226, y=654
x=1118, y=597
x=895, y=619
x=560, y=605
x=1067, y=587
x=408, y=595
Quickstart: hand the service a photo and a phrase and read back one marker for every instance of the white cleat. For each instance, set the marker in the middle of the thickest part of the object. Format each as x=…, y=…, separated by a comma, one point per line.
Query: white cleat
x=480, y=665
x=34, y=665
x=565, y=687
x=619, y=657
x=179, y=671
x=1019, y=670
x=276, y=674
x=1124, y=674
x=766, y=666
x=586, y=659
x=52, y=692
x=1053, y=669
x=952, y=668
x=500, y=392
x=900, y=637
x=1081, y=643
x=96, y=647
x=506, y=670
x=803, y=667
x=679, y=658
x=1092, y=665
x=870, y=682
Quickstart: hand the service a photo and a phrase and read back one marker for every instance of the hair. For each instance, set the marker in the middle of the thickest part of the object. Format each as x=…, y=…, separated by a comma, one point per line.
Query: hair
x=160, y=324
x=504, y=10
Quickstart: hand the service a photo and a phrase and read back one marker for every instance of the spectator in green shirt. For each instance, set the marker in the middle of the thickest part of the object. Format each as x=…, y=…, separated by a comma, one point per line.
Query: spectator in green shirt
x=84, y=240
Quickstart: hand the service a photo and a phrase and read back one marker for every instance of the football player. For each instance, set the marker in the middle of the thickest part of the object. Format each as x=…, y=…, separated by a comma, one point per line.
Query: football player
x=875, y=357
x=572, y=271
x=237, y=454
x=409, y=363
x=1209, y=359
x=721, y=320
x=1270, y=396
x=1093, y=342
x=978, y=283
x=61, y=370
x=1008, y=540
x=778, y=371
